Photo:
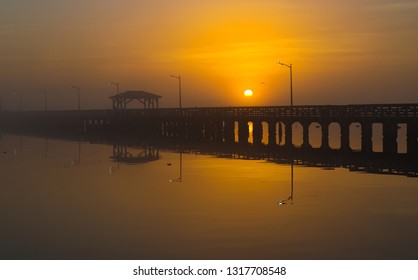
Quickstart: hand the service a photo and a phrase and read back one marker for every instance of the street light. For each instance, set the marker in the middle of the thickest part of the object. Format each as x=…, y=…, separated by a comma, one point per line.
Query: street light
x=78, y=94
x=20, y=99
x=291, y=85
x=179, y=78
x=115, y=84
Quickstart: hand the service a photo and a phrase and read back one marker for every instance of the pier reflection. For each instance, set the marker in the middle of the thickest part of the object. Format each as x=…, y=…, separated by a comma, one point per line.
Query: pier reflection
x=327, y=159
x=143, y=148
x=267, y=198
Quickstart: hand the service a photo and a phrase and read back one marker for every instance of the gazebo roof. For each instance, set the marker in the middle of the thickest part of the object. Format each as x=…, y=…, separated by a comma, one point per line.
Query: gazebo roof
x=134, y=94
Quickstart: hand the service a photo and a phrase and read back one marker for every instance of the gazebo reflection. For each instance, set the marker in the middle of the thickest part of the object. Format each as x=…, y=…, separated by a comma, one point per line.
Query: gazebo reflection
x=145, y=153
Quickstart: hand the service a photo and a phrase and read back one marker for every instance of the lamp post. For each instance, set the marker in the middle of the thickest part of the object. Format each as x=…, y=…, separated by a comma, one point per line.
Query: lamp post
x=179, y=78
x=46, y=100
x=20, y=100
x=291, y=84
x=78, y=94
x=115, y=84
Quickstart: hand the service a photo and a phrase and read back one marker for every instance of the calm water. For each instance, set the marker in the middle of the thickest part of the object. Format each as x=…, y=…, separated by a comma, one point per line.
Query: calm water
x=71, y=200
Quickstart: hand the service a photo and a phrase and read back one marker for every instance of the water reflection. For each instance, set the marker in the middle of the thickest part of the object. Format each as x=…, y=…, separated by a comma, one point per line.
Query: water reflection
x=377, y=163
x=76, y=161
x=235, y=201
x=145, y=152
x=45, y=154
x=180, y=177
x=142, y=149
x=290, y=198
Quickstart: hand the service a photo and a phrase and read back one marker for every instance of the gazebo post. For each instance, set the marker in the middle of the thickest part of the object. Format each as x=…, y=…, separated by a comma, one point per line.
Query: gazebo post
x=121, y=100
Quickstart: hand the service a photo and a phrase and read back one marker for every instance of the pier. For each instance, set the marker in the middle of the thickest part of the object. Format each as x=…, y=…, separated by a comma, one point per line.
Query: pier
x=232, y=124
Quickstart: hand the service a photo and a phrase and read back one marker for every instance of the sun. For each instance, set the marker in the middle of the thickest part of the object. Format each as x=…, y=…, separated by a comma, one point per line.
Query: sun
x=248, y=92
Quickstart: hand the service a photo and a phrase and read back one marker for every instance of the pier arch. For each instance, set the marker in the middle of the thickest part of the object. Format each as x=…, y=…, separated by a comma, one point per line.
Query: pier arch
x=334, y=133
x=355, y=136
x=297, y=134
x=377, y=137
x=315, y=135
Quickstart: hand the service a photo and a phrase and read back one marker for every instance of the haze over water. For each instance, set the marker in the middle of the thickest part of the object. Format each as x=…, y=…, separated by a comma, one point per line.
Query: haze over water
x=72, y=200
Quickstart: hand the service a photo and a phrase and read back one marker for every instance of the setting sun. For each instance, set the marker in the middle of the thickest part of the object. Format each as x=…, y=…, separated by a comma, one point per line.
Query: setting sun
x=248, y=92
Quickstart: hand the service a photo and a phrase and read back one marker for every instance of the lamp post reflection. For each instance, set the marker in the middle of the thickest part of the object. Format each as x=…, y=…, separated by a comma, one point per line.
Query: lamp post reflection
x=77, y=161
x=114, y=169
x=290, y=198
x=44, y=154
x=180, y=178
x=19, y=151
x=118, y=150
x=46, y=147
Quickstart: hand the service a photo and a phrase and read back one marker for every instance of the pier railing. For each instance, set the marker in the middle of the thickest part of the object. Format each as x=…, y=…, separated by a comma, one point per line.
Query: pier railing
x=220, y=123
x=405, y=111
x=314, y=111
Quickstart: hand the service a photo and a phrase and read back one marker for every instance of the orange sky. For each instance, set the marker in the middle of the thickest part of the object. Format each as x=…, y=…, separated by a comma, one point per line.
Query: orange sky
x=344, y=52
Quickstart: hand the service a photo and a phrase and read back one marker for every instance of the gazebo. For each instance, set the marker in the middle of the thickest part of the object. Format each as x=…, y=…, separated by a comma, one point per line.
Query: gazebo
x=121, y=100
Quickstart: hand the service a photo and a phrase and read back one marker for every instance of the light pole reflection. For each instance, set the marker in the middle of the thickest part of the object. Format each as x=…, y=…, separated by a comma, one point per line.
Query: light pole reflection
x=46, y=147
x=77, y=161
x=180, y=178
x=19, y=151
x=290, y=198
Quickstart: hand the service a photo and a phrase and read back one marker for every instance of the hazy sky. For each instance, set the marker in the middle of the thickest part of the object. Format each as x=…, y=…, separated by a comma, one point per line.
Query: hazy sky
x=353, y=51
